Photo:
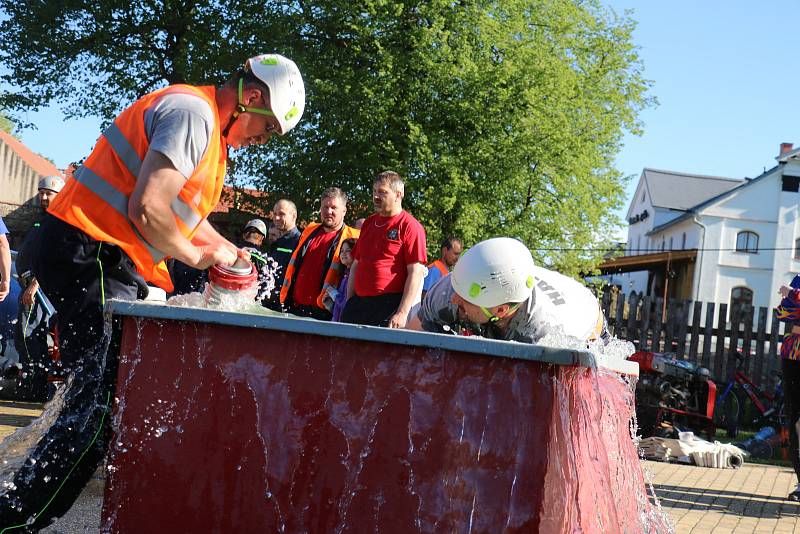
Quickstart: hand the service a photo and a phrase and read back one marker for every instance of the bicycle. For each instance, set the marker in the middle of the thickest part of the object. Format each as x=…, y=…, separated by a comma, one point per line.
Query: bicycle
x=730, y=408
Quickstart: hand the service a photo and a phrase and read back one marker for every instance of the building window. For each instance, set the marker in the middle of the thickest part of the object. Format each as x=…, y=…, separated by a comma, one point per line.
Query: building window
x=741, y=296
x=670, y=243
x=791, y=184
x=642, y=196
x=683, y=241
x=797, y=249
x=747, y=242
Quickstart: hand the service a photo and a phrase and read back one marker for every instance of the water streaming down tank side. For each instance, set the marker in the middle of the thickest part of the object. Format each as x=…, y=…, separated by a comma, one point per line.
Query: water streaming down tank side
x=336, y=431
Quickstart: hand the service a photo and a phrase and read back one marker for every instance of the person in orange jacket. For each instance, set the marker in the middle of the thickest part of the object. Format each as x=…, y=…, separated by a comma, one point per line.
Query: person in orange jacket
x=315, y=268
x=141, y=196
x=451, y=250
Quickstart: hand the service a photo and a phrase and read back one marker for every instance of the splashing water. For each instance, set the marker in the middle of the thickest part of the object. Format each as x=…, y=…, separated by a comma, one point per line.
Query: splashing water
x=593, y=410
x=267, y=279
x=617, y=428
x=245, y=300
x=16, y=447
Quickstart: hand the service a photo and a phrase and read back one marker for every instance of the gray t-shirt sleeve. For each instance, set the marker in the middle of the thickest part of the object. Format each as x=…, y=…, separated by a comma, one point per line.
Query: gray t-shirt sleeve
x=436, y=310
x=179, y=126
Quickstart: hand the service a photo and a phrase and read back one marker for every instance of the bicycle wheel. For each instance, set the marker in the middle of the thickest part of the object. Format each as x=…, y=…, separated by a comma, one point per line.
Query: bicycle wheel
x=726, y=414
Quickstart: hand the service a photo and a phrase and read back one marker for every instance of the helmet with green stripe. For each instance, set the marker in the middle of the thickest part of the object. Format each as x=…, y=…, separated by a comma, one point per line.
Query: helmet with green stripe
x=287, y=94
x=494, y=272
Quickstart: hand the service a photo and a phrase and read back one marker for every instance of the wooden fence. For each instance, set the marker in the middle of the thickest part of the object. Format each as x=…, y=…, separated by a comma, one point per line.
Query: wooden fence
x=677, y=328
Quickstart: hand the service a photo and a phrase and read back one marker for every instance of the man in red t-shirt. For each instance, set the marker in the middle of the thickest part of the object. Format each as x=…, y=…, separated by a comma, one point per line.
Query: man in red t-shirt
x=389, y=260
x=315, y=264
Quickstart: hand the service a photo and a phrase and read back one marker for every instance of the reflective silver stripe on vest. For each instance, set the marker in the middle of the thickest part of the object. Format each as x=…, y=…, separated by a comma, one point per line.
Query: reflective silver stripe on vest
x=97, y=185
x=185, y=213
x=123, y=148
x=119, y=143
x=117, y=200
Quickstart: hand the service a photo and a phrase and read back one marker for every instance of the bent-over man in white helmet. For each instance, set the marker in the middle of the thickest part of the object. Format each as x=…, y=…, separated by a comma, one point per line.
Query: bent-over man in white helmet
x=496, y=289
x=142, y=196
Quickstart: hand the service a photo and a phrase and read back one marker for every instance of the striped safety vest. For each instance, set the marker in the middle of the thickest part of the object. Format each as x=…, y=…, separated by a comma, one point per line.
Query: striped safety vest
x=95, y=199
x=335, y=271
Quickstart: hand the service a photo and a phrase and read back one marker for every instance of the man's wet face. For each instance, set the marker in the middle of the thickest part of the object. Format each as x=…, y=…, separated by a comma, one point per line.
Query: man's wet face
x=468, y=312
x=253, y=236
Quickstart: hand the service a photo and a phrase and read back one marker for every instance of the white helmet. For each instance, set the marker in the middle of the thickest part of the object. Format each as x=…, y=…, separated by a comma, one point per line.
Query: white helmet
x=287, y=94
x=494, y=272
x=53, y=183
x=258, y=225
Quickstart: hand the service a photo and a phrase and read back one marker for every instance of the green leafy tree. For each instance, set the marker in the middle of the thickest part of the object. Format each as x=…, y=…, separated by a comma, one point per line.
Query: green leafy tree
x=6, y=124
x=504, y=116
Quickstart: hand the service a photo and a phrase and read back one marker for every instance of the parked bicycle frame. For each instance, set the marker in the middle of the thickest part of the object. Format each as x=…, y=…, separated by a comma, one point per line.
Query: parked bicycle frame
x=729, y=410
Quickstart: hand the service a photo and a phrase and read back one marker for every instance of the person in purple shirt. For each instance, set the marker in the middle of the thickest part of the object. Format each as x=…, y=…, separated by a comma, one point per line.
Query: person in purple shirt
x=339, y=295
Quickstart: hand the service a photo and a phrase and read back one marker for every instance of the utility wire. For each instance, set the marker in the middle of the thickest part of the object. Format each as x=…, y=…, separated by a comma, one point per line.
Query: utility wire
x=622, y=249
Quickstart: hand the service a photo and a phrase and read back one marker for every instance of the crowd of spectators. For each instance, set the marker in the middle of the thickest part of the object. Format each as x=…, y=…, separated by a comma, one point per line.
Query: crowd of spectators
x=372, y=272
x=376, y=272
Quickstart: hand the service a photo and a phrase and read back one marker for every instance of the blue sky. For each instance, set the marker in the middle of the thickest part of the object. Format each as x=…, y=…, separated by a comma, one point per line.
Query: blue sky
x=725, y=82
x=722, y=72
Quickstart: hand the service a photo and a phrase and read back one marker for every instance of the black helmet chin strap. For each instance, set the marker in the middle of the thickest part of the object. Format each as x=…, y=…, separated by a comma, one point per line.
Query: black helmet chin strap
x=235, y=115
x=241, y=108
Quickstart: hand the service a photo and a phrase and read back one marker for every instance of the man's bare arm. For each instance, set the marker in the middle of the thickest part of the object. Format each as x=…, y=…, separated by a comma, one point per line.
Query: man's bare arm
x=413, y=285
x=150, y=210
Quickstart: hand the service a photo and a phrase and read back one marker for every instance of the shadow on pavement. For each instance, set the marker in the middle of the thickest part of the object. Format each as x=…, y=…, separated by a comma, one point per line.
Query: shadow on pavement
x=725, y=502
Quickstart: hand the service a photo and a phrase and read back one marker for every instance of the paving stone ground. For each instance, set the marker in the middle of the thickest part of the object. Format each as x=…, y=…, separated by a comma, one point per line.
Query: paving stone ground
x=746, y=500
x=697, y=499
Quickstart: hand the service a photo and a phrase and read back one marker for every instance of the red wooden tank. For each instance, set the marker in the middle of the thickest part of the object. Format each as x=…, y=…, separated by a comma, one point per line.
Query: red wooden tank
x=229, y=422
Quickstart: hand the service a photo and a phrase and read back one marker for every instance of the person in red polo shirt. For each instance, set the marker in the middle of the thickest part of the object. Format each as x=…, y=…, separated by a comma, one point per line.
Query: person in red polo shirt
x=388, y=261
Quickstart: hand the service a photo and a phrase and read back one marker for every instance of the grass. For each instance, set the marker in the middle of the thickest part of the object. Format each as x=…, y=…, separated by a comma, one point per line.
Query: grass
x=778, y=452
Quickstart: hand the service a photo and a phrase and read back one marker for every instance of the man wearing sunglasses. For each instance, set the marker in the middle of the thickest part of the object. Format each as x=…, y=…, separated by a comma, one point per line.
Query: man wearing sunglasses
x=141, y=197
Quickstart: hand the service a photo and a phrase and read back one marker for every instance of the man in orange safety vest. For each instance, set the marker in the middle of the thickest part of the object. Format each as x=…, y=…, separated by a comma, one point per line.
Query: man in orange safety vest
x=140, y=197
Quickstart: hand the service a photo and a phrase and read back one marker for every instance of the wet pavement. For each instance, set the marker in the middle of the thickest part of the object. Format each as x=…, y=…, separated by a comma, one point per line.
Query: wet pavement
x=697, y=499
